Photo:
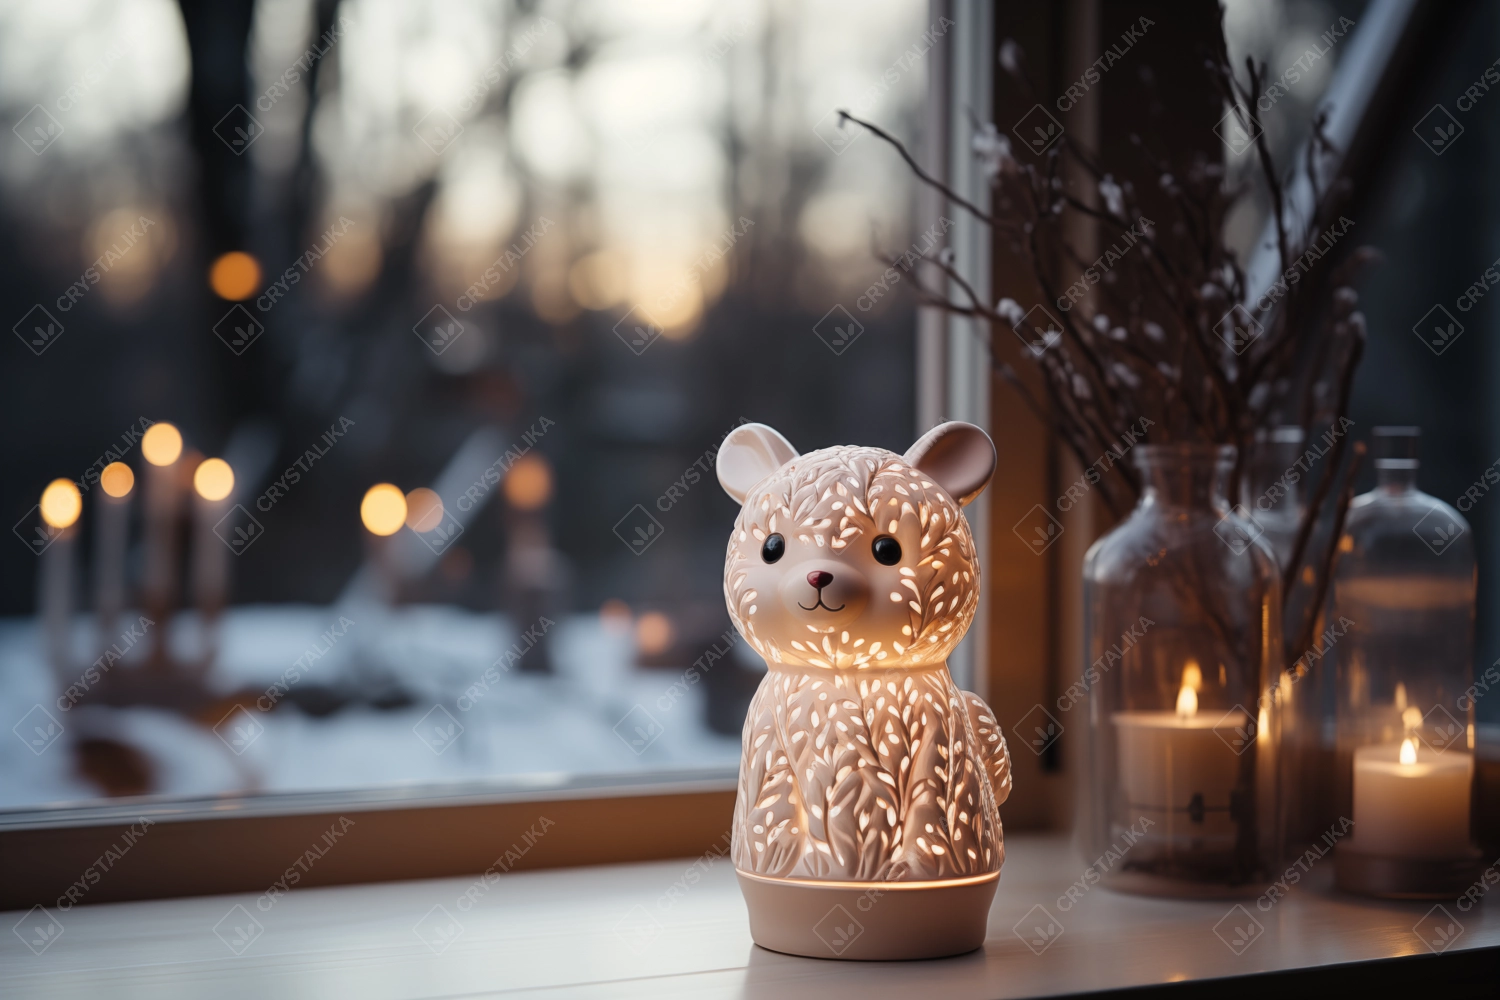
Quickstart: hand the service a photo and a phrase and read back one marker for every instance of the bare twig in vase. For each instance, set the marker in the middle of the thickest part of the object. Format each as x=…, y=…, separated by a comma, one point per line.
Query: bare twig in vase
x=1169, y=327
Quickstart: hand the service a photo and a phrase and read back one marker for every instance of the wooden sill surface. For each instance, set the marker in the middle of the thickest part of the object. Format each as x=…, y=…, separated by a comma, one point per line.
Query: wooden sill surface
x=678, y=928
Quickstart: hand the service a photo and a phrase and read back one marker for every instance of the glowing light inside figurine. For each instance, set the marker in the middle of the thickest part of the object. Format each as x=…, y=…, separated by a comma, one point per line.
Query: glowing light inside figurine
x=853, y=573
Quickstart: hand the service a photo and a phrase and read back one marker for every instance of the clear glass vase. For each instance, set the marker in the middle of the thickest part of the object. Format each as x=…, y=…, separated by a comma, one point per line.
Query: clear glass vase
x=1271, y=491
x=1183, y=623
x=1404, y=594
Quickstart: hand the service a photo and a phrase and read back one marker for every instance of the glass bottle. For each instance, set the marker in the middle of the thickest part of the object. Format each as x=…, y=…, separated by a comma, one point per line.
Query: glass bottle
x=1404, y=595
x=1182, y=606
x=1272, y=489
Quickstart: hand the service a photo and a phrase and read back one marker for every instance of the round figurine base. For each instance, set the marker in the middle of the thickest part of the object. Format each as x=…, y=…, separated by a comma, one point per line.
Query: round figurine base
x=869, y=921
x=1404, y=878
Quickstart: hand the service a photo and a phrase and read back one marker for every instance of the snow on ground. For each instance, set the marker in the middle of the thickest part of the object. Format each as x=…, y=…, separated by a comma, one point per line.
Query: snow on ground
x=503, y=723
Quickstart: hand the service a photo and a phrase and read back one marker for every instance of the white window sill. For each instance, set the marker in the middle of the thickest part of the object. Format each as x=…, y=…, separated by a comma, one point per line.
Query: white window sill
x=570, y=930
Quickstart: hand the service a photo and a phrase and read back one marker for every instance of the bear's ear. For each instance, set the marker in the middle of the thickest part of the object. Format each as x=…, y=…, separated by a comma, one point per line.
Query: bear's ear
x=958, y=456
x=749, y=454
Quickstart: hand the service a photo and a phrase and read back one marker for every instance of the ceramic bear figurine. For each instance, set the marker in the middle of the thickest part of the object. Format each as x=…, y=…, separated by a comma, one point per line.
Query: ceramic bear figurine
x=868, y=780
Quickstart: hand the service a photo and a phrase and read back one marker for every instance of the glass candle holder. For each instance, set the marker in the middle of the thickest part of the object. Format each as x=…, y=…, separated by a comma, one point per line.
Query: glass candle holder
x=1404, y=776
x=1183, y=622
x=1273, y=498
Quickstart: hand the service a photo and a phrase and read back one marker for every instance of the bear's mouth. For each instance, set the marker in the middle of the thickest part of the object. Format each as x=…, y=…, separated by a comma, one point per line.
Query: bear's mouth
x=820, y=604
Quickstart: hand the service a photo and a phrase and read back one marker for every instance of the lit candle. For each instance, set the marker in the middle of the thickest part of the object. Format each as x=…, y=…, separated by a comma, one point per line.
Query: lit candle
x=1176, y=770
x=162, y=447
x=382, y=512
x=213, y=482
x=60, y=506
x=533, y=567
x=1411, y=802
x=111, y=536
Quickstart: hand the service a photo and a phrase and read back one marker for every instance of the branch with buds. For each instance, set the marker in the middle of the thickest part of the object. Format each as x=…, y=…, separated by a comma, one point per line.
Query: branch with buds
x=1171, y=329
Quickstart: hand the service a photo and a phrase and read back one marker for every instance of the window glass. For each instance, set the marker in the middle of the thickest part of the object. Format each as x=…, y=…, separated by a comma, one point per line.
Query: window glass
x=525, y=263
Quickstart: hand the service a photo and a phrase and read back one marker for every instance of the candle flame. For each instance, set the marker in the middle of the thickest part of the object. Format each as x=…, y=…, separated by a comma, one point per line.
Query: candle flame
x=1400, y=697
x=1187, y=702
x=1408, y=751
x=1192, y=675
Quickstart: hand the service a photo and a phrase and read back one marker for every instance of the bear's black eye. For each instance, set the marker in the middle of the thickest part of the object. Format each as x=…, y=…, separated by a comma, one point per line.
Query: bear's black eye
x=774, y=548
x=887, y=550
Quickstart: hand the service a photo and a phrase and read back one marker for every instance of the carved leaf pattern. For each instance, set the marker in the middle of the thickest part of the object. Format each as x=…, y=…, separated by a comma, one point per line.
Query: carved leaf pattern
x=869, y=775
x=992, y=746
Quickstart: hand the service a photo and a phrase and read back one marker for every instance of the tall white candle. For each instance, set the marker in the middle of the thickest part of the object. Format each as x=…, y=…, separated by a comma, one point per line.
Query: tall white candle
x=1411, y=802
x=60, y=508
x=382, y=512
x=162, y=447
x=111, y=536
x=213, y=483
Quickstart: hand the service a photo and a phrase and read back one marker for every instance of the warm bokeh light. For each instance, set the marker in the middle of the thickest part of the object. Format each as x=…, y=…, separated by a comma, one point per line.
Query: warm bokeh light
x=1408, y=751
x=673, y=301
x=528, y=484
x=135, y=241
x=653, y=633
x=383, y=510
x=352, y=264
x=424, y=509
x=614, y=615
x=117, y=479
x=162, y=443
x=235, y=276
x=61, y=503
x=598, y=281
x=213, y=479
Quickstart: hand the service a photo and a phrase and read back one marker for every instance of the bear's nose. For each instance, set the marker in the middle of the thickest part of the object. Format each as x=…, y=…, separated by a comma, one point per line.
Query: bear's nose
x=820, y=578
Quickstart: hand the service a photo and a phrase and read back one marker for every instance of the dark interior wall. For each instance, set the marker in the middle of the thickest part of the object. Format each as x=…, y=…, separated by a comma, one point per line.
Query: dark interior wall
x=1436, y=221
